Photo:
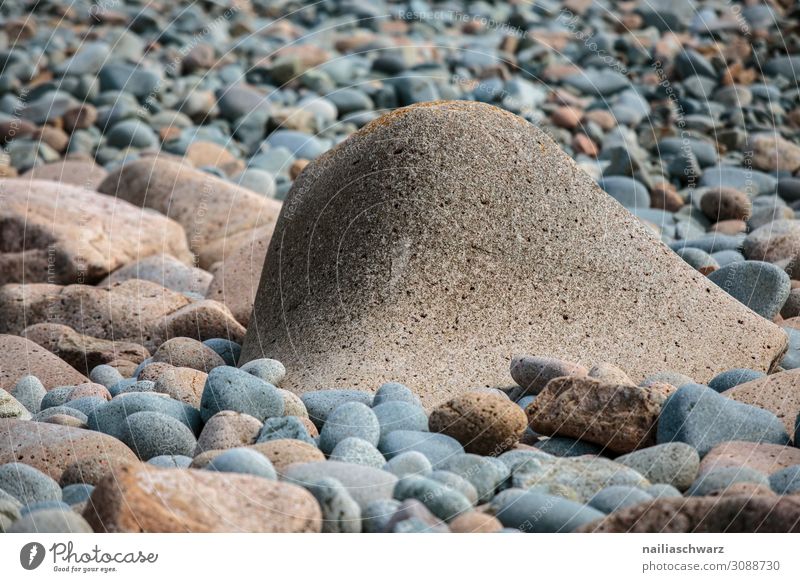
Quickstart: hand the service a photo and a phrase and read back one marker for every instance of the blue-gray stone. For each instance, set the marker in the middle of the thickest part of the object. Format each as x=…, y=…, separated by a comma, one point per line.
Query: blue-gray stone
x=409, y=463
x=28, y=485
x=301, y=145
x=152, y=434
x=320, y=403
x=533, y=512
x=376, y=515
x=110, y=418
x=340, y=512
x=689, y=63
x=567, y=447
x=171, y=461
x=673, y=463
x=663, y=491
x=763, y=287
x=86, y=404
x=442, y=501
x=400, y=415
x=722, y=478
x=65, y=410
x=50, y=521
x=87, y=61
x=457, y=482
x=395, y=391
x=698, y=260
x=749, y=181
x=227, y=349
x=481, y=472
x=616, y=497
x=271, y=371
x=130, y=385
x=711, y=243
x=56, y=397
x=105, y=375
x=727, y=257
x=132, y=133
x=791, y=359
x=627, y=191
x=43, y=505
x=284, y=427
x=598, y=82
x=348, y=100
x=730, y=378
x=365, y=484
x=131, y=79
x=703, y=418
x=357, y=451
x=29, y=392
x=786, y=481
x=76, y=493
x=436, y=447
x=259, y=181
x=245, y=461
x=229, y=388
x=351, y=419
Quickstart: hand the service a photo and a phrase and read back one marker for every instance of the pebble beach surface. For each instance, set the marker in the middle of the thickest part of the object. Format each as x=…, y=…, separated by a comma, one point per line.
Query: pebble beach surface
x=351, y=266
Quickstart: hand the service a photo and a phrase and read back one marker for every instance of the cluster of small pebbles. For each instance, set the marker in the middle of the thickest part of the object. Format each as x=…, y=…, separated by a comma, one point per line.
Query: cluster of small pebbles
x=566, y=449
x=148, y=149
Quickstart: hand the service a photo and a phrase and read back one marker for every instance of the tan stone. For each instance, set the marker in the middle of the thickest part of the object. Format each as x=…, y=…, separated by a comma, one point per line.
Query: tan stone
x=153, y=372
x=83, y=352
x=726, y=514
x=227, y=430
x=184, y=384
x=285, y=452
x=435, y=238
x=92, y=469
x=52, y=448
x=618, y=416
x=743, y=488
x=772, y=152
x=475, y=522
x=20, y=357
x=206, y=153
x=763, y=457
x=778, y=393
x=484, y=423
x=609, y=374
x=62, y=233
x=144, y=499
x=186, y=352
x=134, y=311
x=209, y=208
x=235, y=281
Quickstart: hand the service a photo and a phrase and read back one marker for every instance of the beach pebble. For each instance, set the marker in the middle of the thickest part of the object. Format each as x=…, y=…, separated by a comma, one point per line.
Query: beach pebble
x=229, y=388
x=340, y=513
x=152, y=434
x=351, y=419
x=357, y=451
x=245, y=461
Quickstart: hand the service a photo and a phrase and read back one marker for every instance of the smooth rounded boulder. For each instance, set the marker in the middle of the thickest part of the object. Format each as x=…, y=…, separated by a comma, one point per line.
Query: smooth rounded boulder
x=449, y=233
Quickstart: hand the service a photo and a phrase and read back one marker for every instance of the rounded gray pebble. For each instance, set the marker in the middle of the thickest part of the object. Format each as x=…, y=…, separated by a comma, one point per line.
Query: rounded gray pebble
x=152, y=434
x=357, y=451
x=28, y=485
x=616, y=497
x=351, y=419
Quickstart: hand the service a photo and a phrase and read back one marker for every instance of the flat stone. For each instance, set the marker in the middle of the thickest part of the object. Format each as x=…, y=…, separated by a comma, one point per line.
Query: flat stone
x=533, y=512
x=719, y=480
x=92, y=234
x=20, y=357
x=778, y=393
x=328, y=318
x=438, y=448
x=617, y=497
x=365, y=484
x=133, y=311
x=728, y=514
x=574, y=478
x=81, y=351
x=763, y=287
x=209, y=208
x=701, y=417
x=52, y=448
x=618, y=416
x=139, y=498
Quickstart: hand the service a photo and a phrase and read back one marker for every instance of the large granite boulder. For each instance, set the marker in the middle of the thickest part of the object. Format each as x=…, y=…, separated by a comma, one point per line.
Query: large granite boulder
x=444, y=238
x=59, y=233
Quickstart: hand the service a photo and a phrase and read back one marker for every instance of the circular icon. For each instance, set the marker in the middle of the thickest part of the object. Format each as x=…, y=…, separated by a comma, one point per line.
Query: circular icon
x=31, y=555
